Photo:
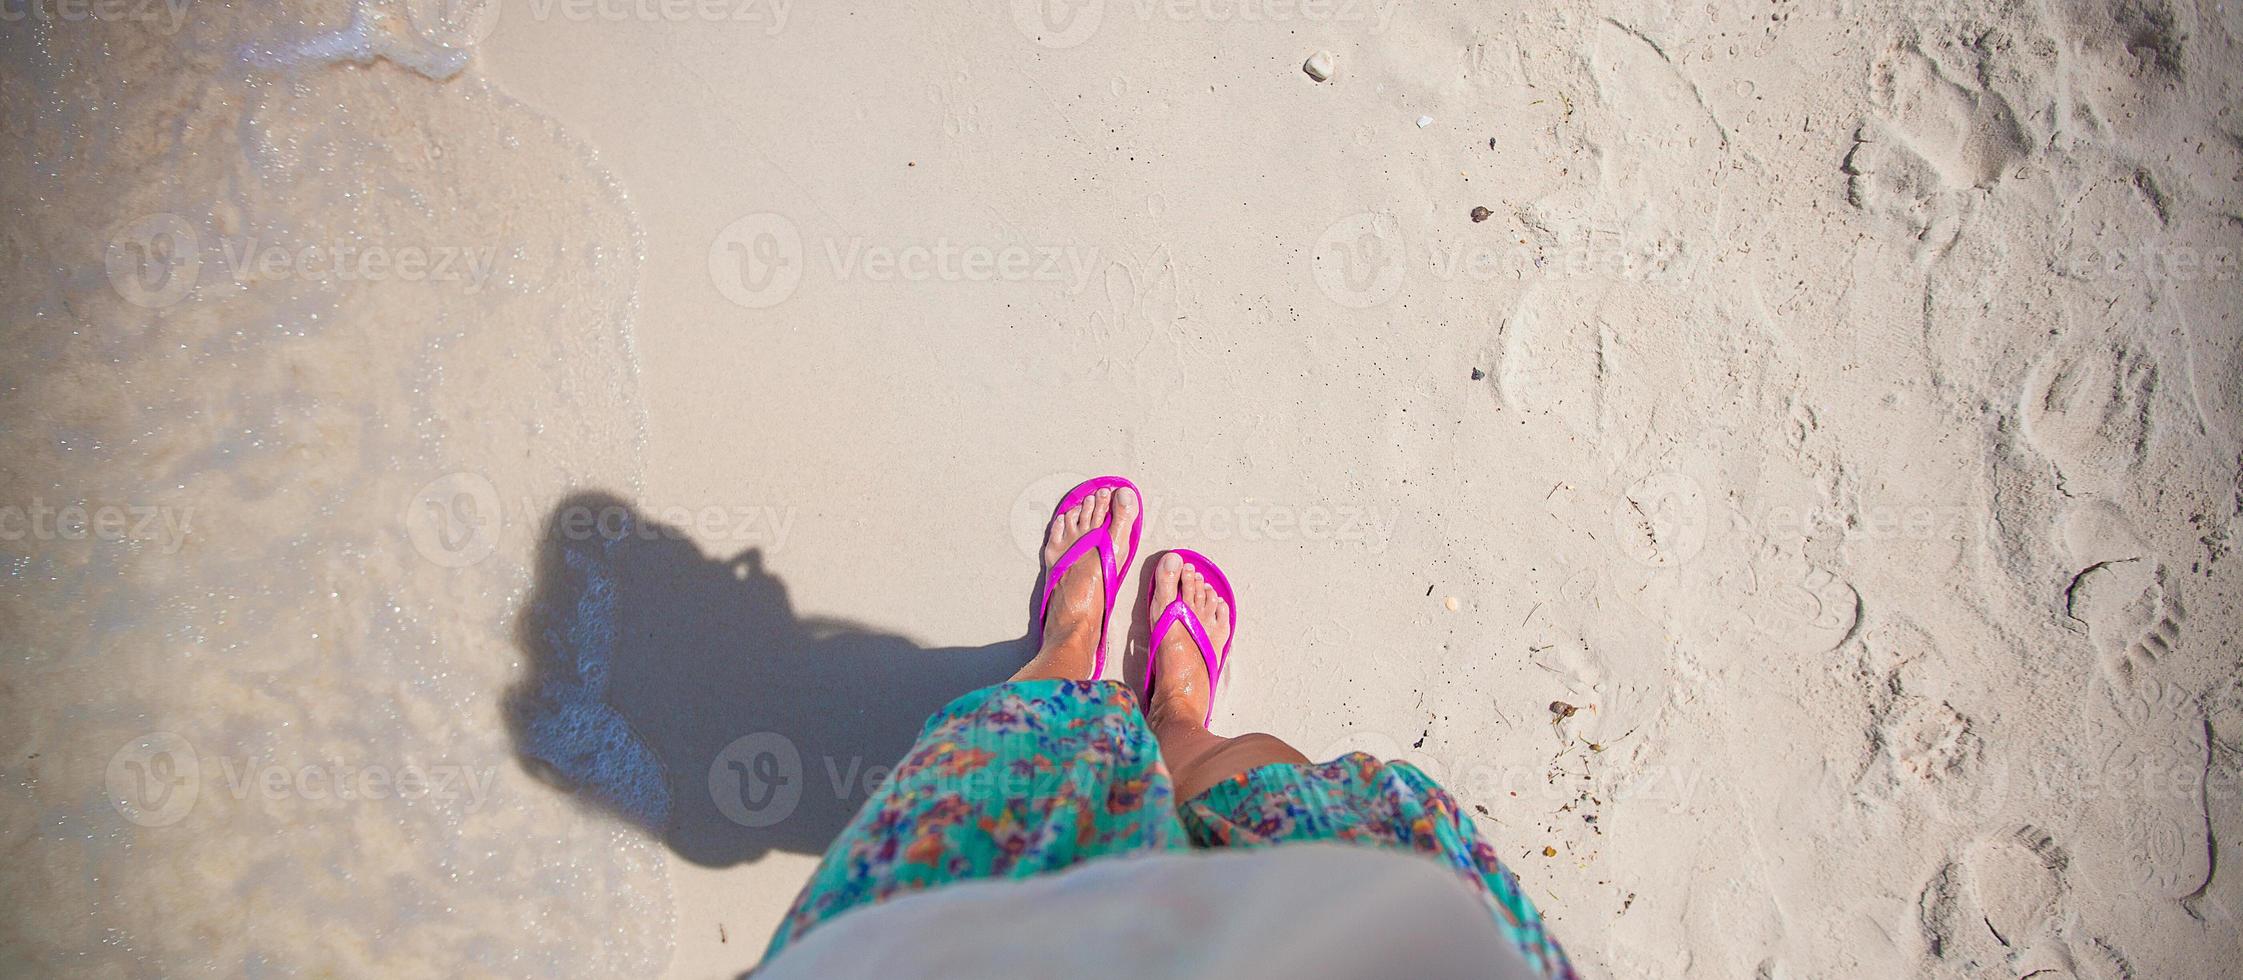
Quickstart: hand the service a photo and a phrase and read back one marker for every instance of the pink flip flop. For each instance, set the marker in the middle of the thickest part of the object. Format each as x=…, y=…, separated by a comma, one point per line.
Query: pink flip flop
x=1177, y=611
x=1102, y=539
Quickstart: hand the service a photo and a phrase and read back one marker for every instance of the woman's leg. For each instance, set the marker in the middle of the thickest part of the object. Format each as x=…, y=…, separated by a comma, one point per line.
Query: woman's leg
x=1177, y=710
x=1078, y=613
x=1027, y=777
x=1354, y=798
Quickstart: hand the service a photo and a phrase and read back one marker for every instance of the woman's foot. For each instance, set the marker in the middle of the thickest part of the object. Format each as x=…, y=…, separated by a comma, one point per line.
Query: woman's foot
x=1182, y=690
x=1176, y=707
x=1076, y=617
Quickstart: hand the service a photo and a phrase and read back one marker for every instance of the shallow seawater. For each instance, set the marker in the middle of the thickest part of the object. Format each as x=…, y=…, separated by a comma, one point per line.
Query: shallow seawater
x=306, y=332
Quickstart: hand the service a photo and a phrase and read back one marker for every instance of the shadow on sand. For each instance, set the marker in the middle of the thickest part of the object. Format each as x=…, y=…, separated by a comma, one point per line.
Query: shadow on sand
x=684, y=694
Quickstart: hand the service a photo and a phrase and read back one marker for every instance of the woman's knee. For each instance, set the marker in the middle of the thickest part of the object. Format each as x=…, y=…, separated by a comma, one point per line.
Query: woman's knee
x=1266, y=745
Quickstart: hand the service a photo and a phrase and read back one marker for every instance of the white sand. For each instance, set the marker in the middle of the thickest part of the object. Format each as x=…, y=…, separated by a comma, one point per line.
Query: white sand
x=1841, y=406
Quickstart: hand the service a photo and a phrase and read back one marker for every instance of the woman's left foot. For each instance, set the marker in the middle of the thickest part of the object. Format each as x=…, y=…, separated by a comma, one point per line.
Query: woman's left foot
x=1182, y=690
x=1076, y=618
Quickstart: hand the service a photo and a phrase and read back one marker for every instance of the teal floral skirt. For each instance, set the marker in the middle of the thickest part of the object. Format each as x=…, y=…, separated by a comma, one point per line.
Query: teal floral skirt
x=1029, y=777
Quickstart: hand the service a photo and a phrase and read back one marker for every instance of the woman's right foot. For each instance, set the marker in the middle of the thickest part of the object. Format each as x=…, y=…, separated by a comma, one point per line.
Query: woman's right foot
x=1181, y=690
x=1076, y=616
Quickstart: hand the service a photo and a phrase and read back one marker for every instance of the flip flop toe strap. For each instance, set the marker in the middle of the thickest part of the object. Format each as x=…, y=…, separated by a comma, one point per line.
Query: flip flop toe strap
x=1176, y=611
x=1101, y=540
x=1095, y=538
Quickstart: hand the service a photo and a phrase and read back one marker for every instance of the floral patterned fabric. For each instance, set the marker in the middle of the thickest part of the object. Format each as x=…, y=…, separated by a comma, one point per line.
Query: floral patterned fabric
x=1358, y=799
x=1028, y=777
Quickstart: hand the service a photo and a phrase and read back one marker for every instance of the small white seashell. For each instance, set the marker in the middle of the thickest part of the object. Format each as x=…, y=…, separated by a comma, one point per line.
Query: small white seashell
x=1318, y=66
x=1424, y=121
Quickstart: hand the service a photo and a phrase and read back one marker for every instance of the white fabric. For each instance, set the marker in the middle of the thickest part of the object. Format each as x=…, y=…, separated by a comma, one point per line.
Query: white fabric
x=1298, y=911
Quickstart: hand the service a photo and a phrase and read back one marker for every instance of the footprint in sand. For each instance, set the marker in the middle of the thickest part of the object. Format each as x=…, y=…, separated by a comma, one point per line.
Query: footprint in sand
x=2129, y=617
x=1998, y=902
x=1893, y=644
x=2092, y=959
x=1968, y=135
x=1930, y=143
x=2017, y=881
x=2000, y=908
x=1554, y=362
x=2099, y=960
x=2127, y=59
x=1929, y=740
x=2086, y=406
x=2148, y=783
x=1802, y=608
x=1614, y=640
x=2148, y=742
x=1662, y=106
x=1572, y=351
x=1661, y=520
x=1929, y=756
x=2119, y=594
